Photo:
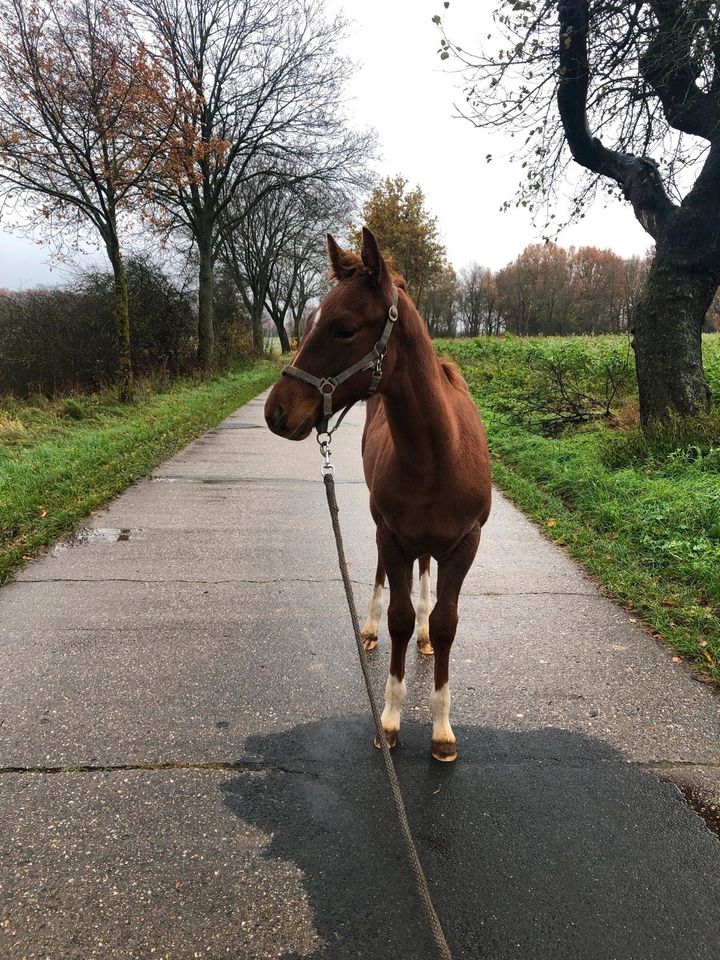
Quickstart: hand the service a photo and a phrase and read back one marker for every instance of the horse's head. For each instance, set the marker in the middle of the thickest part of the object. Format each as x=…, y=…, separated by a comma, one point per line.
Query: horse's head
x=349, y=323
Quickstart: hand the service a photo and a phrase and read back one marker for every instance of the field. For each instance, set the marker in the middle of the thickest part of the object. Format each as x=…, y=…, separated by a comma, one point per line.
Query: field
x=61, y=459
x=642, y=514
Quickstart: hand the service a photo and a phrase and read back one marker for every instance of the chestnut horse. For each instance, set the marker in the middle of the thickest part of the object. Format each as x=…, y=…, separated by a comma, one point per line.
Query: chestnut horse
x=425, y=458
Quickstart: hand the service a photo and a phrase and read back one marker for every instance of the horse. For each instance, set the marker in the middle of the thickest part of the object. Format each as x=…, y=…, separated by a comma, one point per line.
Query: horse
x=425, y=459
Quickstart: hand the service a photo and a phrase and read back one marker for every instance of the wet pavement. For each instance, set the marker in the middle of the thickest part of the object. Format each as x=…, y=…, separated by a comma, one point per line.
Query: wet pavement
x=186, y=757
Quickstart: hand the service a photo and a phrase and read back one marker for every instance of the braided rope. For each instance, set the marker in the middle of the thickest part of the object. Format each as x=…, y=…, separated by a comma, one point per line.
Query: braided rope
x=410, y=849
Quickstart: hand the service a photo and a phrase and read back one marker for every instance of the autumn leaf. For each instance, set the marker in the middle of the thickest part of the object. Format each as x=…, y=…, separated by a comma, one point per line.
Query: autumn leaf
x=552, y=522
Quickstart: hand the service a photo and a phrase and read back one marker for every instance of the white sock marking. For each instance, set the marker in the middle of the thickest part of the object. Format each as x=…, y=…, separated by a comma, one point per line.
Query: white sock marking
x=440, y=708
x=395, y=691
x=423, y=608
x=374, y=612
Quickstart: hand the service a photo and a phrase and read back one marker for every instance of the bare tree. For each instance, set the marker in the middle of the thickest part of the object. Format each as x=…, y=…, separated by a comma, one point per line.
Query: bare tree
x=299, y=278
x=439, y=308
x=82, y=121
x=259, y=86
x=477, y=301
x=646, y=77
x=276, y=249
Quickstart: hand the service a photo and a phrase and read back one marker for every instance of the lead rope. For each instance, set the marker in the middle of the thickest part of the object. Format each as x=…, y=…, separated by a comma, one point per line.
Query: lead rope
x=328, y=474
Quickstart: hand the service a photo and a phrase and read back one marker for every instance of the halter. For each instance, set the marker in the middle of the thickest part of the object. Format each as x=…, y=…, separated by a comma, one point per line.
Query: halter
x=371, y=361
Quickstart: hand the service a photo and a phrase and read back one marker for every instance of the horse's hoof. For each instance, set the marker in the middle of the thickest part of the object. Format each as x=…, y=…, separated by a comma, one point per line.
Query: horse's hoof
x=392, y=741
x=369, y=642
x=443, y=751
x=425, y=647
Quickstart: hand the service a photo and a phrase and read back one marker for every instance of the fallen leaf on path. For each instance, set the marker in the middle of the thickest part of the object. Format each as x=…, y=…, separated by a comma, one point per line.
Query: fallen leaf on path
x=677, y=659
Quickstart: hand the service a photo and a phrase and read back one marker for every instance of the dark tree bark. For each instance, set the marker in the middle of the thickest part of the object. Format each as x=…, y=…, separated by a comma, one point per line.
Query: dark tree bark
x=122, y=322
x=668, y=319
x=206, y=336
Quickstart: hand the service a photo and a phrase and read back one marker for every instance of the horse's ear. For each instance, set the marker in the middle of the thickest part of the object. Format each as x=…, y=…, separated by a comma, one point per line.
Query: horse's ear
x=374, y=261
x=341, y=266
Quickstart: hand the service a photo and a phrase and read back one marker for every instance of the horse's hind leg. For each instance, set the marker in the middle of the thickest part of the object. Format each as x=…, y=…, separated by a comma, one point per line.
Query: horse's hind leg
x=369, y=632
x=443, y=625
x=423, y=607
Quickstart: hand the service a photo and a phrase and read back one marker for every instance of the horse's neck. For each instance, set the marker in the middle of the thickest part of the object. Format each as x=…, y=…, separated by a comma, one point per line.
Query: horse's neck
x=420, y=417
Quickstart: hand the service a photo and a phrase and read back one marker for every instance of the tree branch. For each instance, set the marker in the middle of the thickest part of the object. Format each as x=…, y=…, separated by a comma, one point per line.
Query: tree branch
x=669, y=68
x=638, y=177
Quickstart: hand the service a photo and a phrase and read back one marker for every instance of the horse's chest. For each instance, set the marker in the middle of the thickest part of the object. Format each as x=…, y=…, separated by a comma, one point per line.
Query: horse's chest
x=426, y=522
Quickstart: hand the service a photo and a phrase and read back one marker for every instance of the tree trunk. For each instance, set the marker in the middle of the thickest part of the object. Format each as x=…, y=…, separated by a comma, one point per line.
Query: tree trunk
x=667, y=327
x=282, y=333
x=206, y=334
x=257, y=327
x=122, y=324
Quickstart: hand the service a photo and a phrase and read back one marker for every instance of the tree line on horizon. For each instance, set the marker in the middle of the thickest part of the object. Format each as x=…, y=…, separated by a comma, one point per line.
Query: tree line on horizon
x=547, y=290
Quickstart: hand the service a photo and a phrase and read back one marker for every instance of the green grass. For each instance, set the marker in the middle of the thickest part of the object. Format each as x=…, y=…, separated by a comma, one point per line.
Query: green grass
x=641, y=513
x=59, y=460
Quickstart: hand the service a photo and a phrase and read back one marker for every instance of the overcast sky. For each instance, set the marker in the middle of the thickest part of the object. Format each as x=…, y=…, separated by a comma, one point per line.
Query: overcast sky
x=402, y=91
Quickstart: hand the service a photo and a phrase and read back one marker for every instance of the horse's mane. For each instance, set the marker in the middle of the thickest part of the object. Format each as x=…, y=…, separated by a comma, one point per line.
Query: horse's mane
x=352, y=262
x=452, y=374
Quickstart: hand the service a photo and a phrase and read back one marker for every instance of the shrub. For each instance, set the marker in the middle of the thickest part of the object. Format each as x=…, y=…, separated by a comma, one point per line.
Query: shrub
x=56, y=340
x=550, y=383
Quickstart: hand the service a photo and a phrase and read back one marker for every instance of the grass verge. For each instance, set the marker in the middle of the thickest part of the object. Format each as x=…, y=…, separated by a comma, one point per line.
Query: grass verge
x=642, y=514
x=59, y=460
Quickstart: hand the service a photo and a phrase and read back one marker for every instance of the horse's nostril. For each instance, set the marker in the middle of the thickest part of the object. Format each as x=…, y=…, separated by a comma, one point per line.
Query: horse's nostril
x=277, y=417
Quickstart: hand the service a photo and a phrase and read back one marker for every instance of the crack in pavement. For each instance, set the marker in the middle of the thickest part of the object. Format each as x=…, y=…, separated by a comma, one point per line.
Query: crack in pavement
x=319, y=580
x=238, y=766
x=257, y=766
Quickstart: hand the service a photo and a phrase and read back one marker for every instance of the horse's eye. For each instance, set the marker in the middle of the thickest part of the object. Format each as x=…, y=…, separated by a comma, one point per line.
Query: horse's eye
x=344, y=333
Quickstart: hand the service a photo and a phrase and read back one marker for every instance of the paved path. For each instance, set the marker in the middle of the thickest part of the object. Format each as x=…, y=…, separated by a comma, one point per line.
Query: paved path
x=220, y=797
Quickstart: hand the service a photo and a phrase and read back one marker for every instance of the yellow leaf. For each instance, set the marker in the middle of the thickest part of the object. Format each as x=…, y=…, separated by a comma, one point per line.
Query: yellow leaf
x=552, y=522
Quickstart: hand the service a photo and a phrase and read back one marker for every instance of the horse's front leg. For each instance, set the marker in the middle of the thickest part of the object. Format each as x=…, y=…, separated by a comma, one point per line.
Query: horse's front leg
x=401, y=622
x=443, y=626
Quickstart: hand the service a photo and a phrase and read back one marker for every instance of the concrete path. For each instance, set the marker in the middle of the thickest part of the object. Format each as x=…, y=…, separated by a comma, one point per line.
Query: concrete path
x=187, y=759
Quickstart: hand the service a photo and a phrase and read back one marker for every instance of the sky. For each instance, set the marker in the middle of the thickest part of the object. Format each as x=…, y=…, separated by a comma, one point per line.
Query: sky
x=403, y=91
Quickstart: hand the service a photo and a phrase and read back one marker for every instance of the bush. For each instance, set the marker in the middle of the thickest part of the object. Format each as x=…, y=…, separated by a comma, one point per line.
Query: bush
x=58, y=340
x=549, y=383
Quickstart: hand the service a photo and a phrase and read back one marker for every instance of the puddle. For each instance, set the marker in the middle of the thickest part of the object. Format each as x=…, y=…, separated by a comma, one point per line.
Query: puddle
x=698, y=801
x=99, y=535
